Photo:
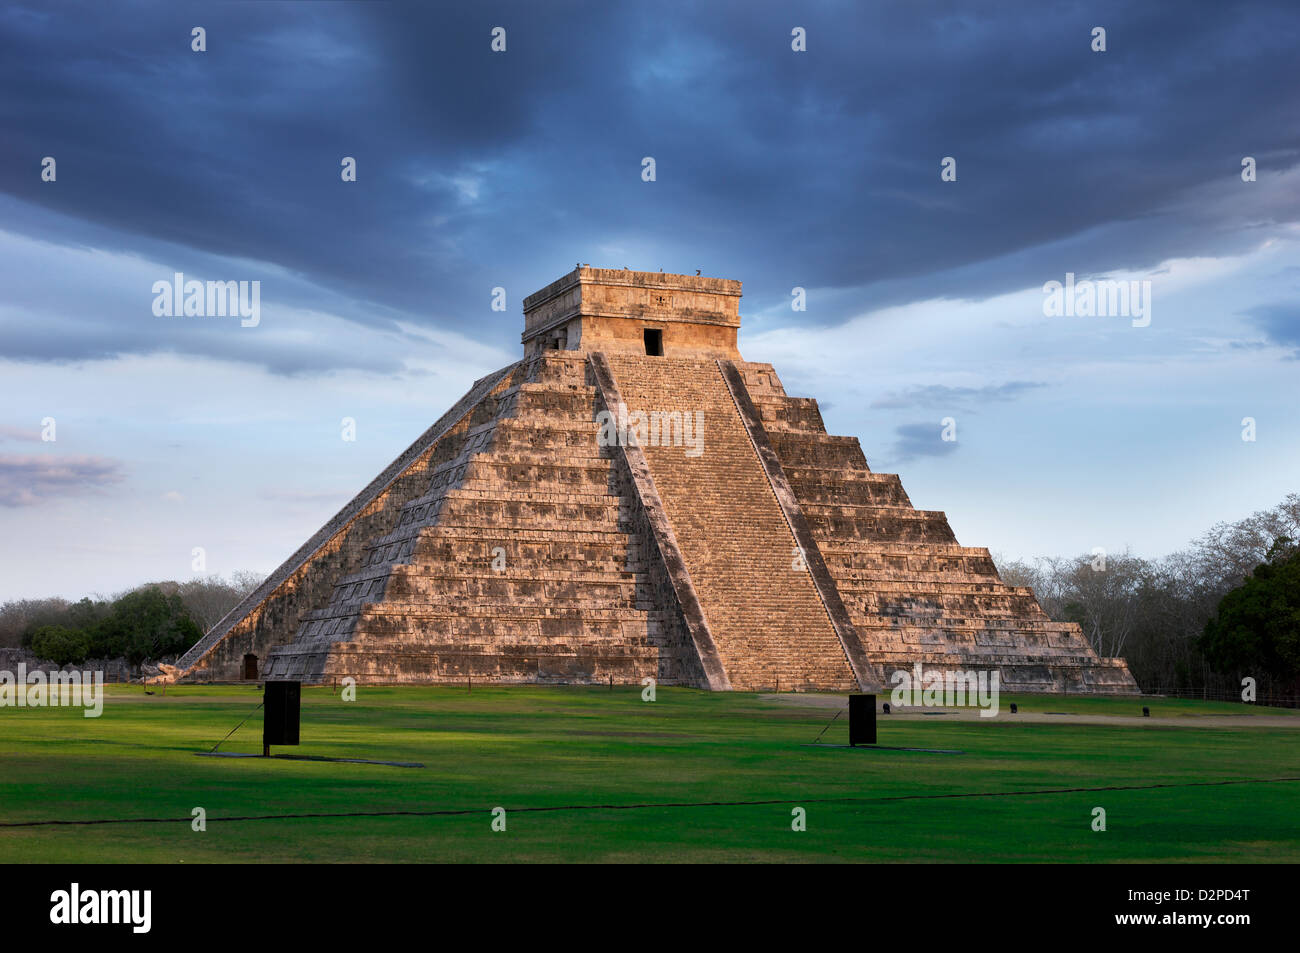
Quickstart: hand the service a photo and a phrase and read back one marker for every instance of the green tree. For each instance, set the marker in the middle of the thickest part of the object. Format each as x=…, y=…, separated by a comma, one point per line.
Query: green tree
x=27, y=615
x=85, y=613
x=1257, y=625
x=144, y=624
x=60, y=645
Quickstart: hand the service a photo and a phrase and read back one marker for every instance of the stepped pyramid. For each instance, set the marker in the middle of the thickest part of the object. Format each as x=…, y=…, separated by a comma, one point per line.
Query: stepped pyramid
x=634, y=499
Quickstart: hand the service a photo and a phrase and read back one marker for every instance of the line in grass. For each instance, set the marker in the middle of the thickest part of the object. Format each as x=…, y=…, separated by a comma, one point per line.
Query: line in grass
x=462, y=812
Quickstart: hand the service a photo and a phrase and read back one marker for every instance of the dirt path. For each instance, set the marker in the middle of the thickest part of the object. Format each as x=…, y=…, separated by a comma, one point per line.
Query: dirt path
x=1059, y=715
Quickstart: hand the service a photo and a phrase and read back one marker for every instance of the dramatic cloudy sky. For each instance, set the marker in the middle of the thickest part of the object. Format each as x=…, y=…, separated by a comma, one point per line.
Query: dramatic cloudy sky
x=816, y=169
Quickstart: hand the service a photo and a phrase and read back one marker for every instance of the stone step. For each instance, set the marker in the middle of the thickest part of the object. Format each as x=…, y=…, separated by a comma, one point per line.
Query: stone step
x=883, y=490
x=782, y=414
x=797, y=449
x=521, y=475
x=918, y=588
x=446, y=579
x=952, y=625
x=767, y=619
x=484, y=610
x=901, y=526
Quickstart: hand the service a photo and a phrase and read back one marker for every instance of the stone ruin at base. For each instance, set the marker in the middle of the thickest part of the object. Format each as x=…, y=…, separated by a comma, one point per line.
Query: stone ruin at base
x=736, y=545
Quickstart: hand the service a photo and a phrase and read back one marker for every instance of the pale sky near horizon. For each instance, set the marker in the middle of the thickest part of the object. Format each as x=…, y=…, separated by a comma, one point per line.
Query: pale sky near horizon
x=816, y=169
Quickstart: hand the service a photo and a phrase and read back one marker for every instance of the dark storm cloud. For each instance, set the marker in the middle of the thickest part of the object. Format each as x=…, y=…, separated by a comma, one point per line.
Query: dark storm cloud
x=478, y=169
x=29, y=480
x=938, y=395
x=66, y=304
x=207, y=338
x=1280, y=323
x=921, y=440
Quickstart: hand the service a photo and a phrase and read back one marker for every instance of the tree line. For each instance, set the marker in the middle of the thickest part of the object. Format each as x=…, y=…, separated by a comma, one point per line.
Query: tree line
x=153, y=621
x=1224, y=608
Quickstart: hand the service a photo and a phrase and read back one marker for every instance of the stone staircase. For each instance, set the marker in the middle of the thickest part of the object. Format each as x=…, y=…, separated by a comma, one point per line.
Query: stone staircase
x=770, y=627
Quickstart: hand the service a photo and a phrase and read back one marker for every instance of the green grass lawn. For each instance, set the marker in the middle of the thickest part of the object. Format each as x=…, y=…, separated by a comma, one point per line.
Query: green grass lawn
x=537, y=747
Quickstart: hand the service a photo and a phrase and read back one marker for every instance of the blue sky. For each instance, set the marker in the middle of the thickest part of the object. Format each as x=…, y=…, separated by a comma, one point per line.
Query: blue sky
x=478, y=169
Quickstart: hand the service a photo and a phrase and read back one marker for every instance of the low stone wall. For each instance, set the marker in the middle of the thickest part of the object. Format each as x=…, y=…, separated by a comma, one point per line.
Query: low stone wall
x=114, y=669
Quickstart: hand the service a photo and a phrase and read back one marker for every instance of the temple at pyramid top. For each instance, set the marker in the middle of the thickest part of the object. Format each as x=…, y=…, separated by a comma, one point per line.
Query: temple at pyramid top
x=634, y=312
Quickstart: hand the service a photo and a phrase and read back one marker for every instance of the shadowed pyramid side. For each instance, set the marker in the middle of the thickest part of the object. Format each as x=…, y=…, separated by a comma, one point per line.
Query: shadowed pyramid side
x=269, y=615
x=914, y=594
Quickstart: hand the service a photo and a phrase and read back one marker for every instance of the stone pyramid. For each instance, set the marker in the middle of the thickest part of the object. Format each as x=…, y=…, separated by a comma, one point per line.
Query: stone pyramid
x=634, y=499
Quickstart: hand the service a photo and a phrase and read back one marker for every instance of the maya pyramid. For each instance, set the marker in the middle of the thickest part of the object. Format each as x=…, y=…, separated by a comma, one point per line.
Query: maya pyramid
x=634, y=499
